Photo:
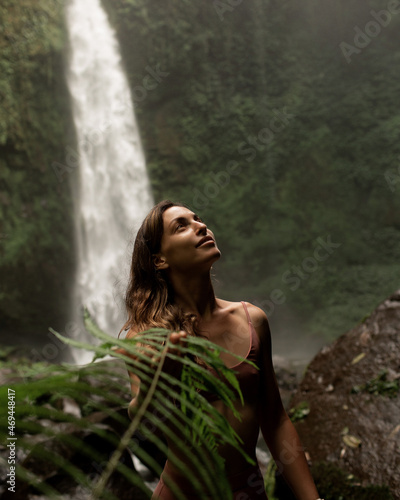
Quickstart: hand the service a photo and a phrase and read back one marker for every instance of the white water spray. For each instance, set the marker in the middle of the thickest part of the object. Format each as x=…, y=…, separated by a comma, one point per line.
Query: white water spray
x=114, y=191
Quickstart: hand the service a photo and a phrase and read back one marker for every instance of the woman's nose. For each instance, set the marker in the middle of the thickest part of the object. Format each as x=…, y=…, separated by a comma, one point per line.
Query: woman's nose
x=200, y=227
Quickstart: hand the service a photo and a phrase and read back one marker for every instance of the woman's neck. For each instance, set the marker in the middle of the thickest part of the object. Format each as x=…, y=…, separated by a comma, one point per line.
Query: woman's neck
x=195, y=294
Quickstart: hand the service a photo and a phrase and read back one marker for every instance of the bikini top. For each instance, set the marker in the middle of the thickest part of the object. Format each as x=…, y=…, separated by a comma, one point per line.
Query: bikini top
x=247, y=375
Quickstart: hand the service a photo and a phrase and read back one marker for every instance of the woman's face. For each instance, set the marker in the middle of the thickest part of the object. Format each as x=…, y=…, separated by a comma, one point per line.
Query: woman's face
x=186, y=243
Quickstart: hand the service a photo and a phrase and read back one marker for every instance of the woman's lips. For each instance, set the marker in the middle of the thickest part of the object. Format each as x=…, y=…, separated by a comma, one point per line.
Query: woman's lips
x=206, y=239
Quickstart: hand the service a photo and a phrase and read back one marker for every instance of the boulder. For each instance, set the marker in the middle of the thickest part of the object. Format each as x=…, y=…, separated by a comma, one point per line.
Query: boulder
x=347, y=406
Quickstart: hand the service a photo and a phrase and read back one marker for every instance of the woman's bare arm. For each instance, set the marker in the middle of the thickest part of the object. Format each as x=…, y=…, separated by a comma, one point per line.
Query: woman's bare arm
x=276, y=427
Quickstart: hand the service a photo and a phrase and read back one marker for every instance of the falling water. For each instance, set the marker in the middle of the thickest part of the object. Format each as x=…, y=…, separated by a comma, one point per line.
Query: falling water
x=114, y=191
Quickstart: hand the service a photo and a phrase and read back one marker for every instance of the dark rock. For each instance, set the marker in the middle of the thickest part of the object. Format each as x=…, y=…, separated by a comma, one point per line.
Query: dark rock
x=349, y=424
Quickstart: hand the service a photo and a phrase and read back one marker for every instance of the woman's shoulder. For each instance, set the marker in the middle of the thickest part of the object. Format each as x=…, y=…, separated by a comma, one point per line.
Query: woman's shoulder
x=257, y=315
x=259, y=321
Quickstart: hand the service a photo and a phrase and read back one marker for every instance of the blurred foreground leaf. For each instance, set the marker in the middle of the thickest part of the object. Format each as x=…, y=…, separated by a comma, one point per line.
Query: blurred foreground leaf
x=72, y=421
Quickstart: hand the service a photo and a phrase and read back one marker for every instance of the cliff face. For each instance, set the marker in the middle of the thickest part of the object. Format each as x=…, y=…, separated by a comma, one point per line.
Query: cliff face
x=36, y=235
x=352, y=390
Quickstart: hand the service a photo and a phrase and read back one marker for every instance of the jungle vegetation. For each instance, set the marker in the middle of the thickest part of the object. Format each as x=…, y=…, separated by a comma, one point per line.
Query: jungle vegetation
x=259, y=116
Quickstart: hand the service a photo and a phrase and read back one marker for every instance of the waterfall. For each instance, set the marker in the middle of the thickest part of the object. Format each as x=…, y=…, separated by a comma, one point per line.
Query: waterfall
x=114, y=191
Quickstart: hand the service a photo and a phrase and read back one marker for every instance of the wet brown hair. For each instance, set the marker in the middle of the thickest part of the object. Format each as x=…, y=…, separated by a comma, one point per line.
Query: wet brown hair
x=149, y=298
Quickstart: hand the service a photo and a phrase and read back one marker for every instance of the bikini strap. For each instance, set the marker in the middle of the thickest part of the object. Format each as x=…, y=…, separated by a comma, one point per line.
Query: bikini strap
x=247, y=312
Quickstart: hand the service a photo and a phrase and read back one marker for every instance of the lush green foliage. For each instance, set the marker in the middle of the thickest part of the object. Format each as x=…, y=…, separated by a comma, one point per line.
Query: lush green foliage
x=269, y=189
x=36, y=239
x=168, y=399
x=250, y=114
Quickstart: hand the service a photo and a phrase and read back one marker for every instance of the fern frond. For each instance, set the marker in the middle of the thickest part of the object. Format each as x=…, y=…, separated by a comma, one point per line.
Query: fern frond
x=170, y=403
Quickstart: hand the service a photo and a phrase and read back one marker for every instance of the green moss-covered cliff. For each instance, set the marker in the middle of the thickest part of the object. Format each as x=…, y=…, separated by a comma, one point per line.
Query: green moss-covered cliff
x=36, y=253
x=270, y=121
x=277, y=121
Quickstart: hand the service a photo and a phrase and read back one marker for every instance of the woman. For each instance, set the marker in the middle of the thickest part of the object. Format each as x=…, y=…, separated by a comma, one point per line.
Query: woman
x=170, y=287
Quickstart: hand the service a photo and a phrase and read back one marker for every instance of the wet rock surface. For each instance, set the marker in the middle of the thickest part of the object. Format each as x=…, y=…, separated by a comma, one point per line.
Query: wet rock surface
x=351, y=389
